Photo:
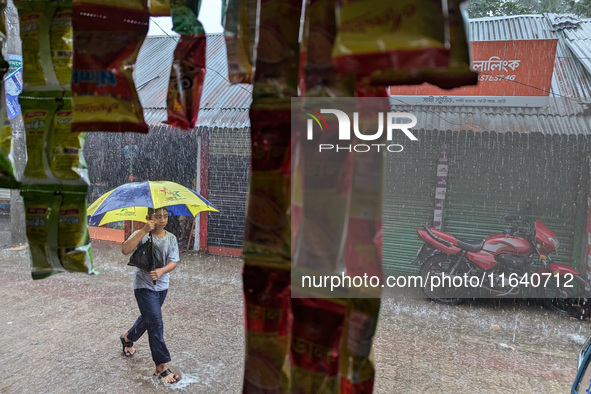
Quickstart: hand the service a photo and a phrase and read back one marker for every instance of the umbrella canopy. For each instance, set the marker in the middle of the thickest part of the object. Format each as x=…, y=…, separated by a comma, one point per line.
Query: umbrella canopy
x=132, y=200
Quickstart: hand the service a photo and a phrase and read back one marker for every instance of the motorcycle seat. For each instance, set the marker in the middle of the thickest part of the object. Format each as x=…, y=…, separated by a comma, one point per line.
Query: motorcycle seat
x=471, y=246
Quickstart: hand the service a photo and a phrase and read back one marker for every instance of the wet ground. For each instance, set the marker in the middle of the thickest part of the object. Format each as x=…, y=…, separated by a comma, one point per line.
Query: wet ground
x=61, y=334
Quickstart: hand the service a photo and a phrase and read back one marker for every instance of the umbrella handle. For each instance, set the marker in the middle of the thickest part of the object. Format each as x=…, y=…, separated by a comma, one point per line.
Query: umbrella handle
x=153, y=264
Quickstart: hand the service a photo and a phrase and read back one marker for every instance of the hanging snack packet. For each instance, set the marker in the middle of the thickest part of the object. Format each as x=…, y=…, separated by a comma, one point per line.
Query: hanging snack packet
x=278, y=49
x=317, y=74
x=236, y=57
x=2, y=18
x=247, y=30
x=75, y=252
x=184, y=17
x=318, y=37
x=4, y=66
x=267, y=229
x=41, y=215
x=326, y=194
x=7, y=173
x=317, y=327
x=38, y=109
x=106, y=43
x=159, y=7
x=35, y=18
x=459, y=72
x=357, y=372
x=362, y=256
x=267, y=316
x=389, y=39
x=188, y=65
x=239, y=33
x=186, y=82
x=65, y=148
x=62, y=43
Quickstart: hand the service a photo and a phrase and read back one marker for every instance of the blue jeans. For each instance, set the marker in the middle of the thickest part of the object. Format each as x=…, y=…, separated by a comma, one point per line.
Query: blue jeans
x=150, y=304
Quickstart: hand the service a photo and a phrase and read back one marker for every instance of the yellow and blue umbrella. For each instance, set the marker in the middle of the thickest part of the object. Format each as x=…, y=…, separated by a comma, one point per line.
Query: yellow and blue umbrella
x=132, y=200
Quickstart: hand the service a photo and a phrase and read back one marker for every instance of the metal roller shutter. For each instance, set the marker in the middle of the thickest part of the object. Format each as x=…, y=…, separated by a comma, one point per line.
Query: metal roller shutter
x=491, y=175
x=409, y=190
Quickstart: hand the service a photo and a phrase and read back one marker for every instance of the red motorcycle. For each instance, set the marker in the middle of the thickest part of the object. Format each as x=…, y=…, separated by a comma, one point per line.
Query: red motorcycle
x=514, y=263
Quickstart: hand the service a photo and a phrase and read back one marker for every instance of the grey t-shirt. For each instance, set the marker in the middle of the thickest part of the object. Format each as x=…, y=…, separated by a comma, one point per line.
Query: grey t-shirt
x=170, y=252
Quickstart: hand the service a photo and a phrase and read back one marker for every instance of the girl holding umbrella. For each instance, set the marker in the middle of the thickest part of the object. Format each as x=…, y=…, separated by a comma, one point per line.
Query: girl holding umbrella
x=150, y=289
x=132, y=201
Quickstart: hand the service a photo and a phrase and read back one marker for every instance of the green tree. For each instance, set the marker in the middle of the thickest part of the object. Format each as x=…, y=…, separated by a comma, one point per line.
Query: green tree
x=582, y=8
x=484, y=8
x=553, y=6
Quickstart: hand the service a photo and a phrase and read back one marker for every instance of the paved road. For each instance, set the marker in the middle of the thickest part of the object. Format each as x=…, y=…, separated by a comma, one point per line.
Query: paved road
x=61, y=334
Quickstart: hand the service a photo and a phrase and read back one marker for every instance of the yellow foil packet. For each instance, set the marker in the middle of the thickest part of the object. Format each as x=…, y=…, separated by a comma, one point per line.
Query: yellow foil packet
x=57, y=231
x=35, y=19
x=65, y=148
x=7, y=173
x=62, y=43
x=376, y=35
x=75, y=253
x=38, y=111
x=41, y=215
x=159, y=7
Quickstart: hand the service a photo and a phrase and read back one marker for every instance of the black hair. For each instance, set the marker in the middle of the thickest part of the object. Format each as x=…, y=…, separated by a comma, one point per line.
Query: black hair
x=152, y=210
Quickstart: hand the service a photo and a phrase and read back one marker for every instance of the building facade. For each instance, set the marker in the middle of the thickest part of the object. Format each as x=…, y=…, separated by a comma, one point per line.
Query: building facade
x=522, y=151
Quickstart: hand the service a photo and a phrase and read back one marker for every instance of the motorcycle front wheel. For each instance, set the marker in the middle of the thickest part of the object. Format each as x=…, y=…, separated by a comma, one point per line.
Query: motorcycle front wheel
x=438, y=273
x=566, y=295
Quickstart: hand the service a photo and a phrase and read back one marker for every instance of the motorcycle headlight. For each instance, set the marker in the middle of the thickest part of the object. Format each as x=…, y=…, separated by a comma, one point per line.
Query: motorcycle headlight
x=554, y=242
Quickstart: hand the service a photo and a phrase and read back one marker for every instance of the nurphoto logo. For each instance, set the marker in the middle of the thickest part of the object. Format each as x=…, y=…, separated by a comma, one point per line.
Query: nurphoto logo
x=386, y=121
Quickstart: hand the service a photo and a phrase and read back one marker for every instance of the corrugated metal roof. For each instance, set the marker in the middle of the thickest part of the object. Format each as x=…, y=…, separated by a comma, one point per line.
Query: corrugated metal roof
x=563, y=21
x=498, y=119
x=221, y=102
x=226, y=105
x=579, y=42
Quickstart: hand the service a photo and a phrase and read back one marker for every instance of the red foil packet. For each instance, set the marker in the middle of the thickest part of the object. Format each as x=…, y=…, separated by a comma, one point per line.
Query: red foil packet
x=106, y=43
x=186, y=82
x=268, y=222
x=267, y=314
x=314, y=353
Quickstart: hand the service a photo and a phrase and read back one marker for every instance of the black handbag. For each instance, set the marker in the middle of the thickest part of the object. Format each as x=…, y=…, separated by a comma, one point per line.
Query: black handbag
x=147, y=256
